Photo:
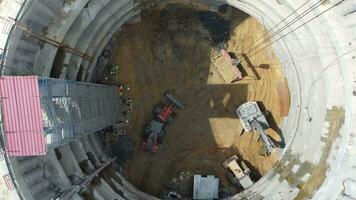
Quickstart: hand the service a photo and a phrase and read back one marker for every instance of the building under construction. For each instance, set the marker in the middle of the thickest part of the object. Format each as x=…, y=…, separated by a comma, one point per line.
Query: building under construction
x=81, y=80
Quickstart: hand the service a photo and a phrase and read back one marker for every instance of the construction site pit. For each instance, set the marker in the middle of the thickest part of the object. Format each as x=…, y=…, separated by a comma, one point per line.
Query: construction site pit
x=171, y=48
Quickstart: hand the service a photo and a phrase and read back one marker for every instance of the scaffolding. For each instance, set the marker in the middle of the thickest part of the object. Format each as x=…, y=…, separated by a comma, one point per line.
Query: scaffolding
x=72, y=109
x=10, y=22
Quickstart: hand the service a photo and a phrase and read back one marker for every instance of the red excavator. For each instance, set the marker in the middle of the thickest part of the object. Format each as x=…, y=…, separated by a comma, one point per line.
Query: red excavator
x=155, y=131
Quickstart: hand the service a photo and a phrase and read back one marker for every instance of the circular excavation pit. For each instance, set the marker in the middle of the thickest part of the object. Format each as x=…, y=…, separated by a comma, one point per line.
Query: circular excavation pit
x=174, y=49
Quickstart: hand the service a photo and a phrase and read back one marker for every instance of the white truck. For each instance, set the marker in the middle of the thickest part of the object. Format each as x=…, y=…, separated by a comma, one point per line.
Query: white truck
x=238, y=174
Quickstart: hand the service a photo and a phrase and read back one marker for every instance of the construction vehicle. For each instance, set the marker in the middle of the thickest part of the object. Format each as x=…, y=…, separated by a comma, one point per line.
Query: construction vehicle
x=239, y=174
x=252, y=119
x=227, y=67
x=205, y=187
x=163, y=115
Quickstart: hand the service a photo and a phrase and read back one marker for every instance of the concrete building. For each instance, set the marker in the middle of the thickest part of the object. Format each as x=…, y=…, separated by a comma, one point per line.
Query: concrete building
x=318, y=60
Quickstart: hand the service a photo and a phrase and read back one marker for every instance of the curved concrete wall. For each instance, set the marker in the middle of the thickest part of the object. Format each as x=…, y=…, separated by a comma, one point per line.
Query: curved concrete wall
x=318, y=60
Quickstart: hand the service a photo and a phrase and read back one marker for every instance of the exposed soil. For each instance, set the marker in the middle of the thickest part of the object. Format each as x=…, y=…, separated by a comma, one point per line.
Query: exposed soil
x=172, y=50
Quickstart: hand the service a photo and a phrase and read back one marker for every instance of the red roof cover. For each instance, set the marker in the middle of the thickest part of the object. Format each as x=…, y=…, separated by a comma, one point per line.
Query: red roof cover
x=21, y=109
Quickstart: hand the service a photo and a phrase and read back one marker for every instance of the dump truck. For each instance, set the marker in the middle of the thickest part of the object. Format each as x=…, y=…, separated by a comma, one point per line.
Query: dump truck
x=155, y=131
x=238, y=174
x=252, y=119
x=227, y=67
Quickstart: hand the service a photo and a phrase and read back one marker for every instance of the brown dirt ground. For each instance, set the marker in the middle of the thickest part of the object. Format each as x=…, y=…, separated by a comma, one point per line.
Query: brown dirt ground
x=156, y=56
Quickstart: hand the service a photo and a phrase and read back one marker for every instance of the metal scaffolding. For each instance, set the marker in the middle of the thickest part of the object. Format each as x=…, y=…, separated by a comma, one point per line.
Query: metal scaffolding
x=28, y=32
x=73, y=109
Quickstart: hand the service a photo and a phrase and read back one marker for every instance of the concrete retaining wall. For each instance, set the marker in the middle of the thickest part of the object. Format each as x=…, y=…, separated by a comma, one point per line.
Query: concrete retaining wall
x=318, y=60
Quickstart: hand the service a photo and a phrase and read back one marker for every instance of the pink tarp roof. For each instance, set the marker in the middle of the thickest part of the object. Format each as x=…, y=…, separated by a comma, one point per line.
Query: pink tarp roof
x=21, y=109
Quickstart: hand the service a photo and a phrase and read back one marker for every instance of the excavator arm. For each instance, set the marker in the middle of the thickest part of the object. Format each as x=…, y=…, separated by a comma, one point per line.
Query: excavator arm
x=269, y=145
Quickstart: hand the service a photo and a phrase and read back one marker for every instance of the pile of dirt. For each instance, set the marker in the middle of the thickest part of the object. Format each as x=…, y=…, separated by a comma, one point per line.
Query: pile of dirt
x=172, y=50
x=217, y=26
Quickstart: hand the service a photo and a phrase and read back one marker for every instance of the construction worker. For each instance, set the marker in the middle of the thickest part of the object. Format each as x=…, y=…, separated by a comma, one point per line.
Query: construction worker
x=120, y=90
